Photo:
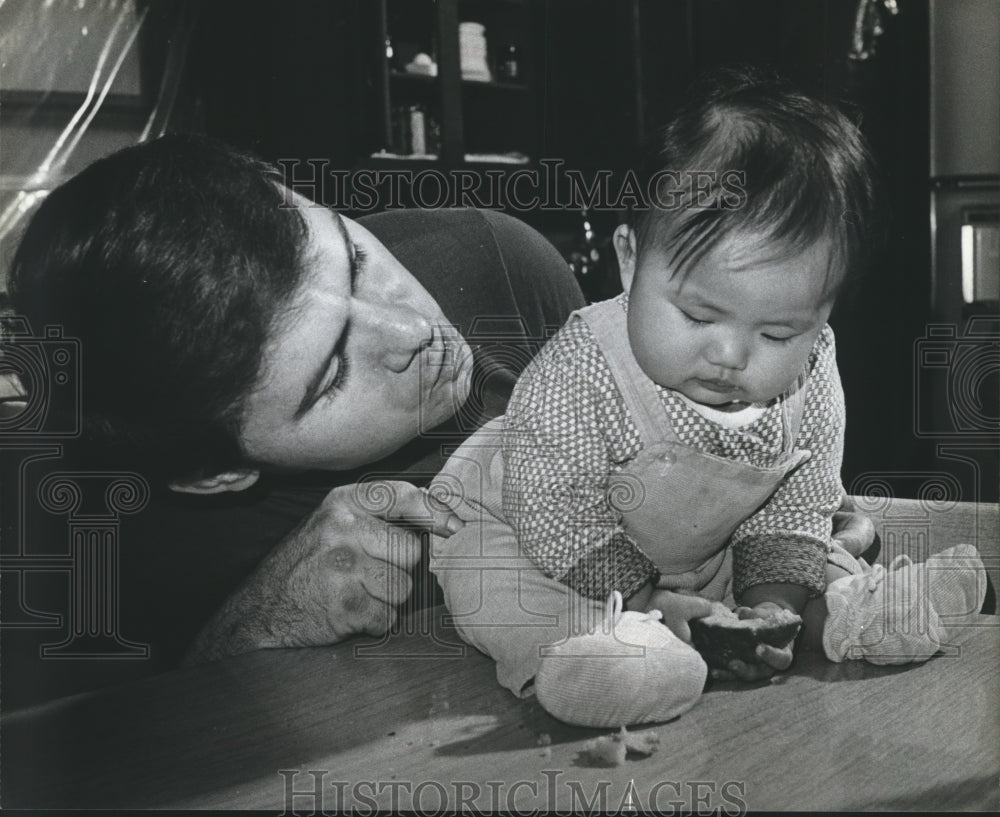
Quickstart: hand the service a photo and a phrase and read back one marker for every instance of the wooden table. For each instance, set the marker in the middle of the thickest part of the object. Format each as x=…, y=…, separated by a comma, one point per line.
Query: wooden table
x=419, y=721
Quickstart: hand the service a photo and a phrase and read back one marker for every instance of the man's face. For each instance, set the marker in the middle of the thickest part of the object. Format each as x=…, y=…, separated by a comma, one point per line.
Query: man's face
x=362, y=361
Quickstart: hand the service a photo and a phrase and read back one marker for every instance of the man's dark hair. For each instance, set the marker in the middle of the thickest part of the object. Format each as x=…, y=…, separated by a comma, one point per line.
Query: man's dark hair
x=169, y=261
x=746, y=152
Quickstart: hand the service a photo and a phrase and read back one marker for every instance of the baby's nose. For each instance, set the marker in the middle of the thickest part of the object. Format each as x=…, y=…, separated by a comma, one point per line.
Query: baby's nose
x=728, y=352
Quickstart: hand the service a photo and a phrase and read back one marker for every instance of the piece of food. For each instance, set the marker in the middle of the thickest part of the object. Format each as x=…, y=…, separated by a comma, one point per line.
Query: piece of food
x=612, y=750
x=723, y=636
x=606, y=751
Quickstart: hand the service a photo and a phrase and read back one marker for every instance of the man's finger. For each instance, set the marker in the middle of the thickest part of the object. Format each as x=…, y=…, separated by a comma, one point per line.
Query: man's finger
x=387, y=583
x=395, y=546
x=399, y=501
x=380, y=618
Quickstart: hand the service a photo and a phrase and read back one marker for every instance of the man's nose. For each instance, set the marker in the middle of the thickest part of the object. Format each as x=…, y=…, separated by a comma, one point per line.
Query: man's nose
x=395, y=332
x=727, y=350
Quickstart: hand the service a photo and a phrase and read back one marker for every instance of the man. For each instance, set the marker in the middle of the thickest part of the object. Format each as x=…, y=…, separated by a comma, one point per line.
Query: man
x=245, y=345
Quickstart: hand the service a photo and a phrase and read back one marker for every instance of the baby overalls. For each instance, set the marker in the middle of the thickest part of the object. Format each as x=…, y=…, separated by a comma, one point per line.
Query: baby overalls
x=680, y=506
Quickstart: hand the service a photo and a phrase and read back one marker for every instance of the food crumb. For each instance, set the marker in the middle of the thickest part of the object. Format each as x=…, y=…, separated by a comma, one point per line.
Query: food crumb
x=605, y=751
x=544, y=739
x=643, y=744
x=612, y=750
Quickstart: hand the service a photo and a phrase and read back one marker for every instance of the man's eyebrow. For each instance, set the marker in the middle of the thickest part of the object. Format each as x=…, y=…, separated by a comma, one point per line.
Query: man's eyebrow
x=316, y=381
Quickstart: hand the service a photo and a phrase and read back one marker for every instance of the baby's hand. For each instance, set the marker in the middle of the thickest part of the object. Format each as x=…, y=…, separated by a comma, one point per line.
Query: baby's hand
x=678, y=609
x=770, y=659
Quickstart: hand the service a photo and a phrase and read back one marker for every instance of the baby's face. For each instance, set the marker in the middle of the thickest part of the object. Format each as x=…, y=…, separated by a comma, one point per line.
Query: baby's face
x=738, y=327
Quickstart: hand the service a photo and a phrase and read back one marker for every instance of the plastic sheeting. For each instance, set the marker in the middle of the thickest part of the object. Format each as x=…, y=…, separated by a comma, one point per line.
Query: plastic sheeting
x=76, y=83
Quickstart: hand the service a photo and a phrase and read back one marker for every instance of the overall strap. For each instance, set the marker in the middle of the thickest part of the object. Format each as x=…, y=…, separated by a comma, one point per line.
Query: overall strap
x=794, y=406
x=607, y=322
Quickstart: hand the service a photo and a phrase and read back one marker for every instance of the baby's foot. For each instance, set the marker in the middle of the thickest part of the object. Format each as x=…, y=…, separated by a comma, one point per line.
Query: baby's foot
x=631, y=670
x=905, y=613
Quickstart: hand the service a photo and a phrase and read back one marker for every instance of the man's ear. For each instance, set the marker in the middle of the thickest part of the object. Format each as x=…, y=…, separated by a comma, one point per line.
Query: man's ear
x=624, y=241
x=226, y=481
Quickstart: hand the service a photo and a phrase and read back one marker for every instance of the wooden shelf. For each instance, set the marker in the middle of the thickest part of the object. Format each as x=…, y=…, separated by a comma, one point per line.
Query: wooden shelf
x=403, y=158
x=496, y=160
x=487, y=117
x=499, y=85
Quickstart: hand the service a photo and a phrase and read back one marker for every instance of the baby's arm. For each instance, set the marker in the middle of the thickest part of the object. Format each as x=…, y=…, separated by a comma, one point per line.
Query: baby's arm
x=779, y=553
x=556, y=467
x=677, y=609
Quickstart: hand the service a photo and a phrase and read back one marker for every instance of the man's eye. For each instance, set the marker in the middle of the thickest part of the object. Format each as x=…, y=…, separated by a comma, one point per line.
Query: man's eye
x=359, y=263
x=338, y=379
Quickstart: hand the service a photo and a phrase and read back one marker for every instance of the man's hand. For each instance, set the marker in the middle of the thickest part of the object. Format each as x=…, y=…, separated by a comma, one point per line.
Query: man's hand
x=342, y=572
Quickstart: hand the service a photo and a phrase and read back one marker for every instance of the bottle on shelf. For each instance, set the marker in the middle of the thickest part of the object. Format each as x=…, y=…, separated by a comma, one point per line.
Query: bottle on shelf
x=509, y=65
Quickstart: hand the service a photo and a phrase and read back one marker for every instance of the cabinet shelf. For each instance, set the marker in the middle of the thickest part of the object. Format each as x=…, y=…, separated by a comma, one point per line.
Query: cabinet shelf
x=489, y=121
x=496, y=84
x=497, y=159
x=396, y=159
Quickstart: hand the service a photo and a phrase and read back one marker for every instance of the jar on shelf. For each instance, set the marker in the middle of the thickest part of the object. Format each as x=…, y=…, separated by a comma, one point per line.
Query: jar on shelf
x=414, y=131
x=509, y=63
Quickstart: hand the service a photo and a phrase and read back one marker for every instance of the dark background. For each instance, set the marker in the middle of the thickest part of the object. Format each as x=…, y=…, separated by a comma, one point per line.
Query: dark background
x=299, y=84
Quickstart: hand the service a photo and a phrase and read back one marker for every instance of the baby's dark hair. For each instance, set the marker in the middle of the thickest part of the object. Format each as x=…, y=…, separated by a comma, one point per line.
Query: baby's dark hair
x=747, y=153
x=169, y=261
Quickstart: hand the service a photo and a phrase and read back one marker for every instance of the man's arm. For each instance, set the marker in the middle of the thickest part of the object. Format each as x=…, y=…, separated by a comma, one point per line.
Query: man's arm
x=342, y=572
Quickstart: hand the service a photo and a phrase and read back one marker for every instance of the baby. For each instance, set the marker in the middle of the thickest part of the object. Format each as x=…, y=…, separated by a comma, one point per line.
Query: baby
x=681, y=444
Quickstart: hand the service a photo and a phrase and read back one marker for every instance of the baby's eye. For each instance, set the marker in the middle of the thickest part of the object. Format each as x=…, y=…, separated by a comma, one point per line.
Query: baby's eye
x=693, y=320
x=779, y=338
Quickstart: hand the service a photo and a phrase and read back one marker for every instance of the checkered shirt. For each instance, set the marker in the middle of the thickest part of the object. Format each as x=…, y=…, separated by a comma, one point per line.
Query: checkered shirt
x=567, y=429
